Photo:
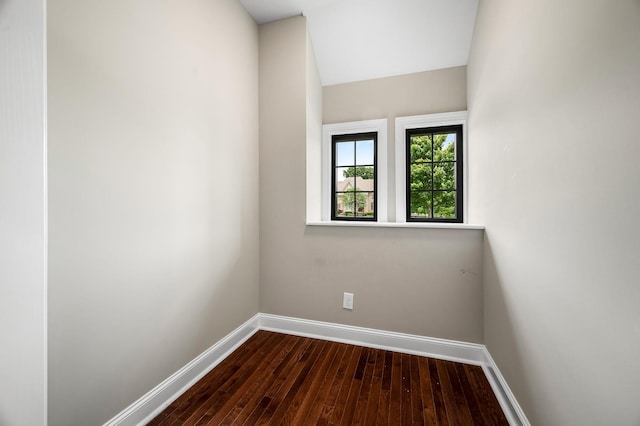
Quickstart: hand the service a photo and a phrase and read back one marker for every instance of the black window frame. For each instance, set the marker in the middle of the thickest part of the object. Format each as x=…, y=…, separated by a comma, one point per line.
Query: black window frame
x=458, y=129
x=335, y=139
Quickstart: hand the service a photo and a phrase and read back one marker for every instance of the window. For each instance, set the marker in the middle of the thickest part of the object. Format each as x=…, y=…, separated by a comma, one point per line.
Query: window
x=354, y=174
x=430, y=171
x=353, y=177
x=433, y=174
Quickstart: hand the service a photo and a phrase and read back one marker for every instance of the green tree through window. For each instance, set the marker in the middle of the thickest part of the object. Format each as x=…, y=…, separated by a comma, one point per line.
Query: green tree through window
x=363, y=172
x=433, y=188
x=353, y=197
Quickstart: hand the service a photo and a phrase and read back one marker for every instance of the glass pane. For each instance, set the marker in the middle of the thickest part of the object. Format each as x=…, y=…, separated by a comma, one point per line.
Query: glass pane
x=361, y=172
x=345, y=156
x=364, y=152
x=365, y=204
x=353, y=201
x=420, y=176
x=444, y=176
x=444, y=147
x=342, y=178
x=344, y=205
x=444, y=204
x=420, y=148
x=420, y=204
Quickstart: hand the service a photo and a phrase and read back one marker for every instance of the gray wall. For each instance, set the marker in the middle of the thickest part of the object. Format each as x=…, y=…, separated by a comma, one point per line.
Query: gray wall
x=420, y=281
x=23, y=374
x=153, y=171
x=554, y=102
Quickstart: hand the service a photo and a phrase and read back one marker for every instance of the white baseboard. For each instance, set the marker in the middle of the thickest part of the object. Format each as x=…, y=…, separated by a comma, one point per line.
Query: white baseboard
x=157, y=399
x=166, y=392
x=469, y=353
x=501, y=389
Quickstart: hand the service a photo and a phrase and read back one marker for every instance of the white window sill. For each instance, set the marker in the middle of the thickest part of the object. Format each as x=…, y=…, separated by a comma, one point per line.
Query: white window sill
x=431, y=225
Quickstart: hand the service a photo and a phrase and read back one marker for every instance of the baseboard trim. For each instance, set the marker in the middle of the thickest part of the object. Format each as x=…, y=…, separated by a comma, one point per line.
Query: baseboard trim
x=156, y=400
x=469, y=353
x=501, y=389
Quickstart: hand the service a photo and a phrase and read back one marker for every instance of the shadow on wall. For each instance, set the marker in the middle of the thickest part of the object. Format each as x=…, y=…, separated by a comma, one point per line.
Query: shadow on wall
x=189, y=326
x=501, y=338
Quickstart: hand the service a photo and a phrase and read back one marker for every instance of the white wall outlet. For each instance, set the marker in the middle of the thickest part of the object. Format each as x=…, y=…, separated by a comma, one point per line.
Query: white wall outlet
x=347, y=301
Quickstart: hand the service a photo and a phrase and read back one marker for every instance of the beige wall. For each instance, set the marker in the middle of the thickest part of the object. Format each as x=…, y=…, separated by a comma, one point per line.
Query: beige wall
x=23, y=235
x=411, y=94
x=416, y=281
x=153, y=168
x=314, y=134
x=426, y=92
x=554, y=101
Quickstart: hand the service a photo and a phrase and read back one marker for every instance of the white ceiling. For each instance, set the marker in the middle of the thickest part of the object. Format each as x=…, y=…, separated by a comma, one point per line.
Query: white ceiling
x=362, y=39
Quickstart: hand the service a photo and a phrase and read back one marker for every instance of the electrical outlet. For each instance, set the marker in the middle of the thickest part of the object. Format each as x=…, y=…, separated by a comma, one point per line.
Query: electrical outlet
x=347, y=301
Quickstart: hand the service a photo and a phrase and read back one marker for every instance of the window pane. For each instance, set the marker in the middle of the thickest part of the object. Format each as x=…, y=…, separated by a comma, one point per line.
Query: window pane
x=361, y=172
x=420, y=204
x=344, y=205
x=433, y=174
x=359, y=199
x=364, y=152
x=420, y=148
x=350, y=202
x=345, y=155
x=444, y=176
x=444, y=147
x=367, y=175
x=421, y=176
x=364, y=204
x=342, y=180
x=354, y=180
x=444, y=204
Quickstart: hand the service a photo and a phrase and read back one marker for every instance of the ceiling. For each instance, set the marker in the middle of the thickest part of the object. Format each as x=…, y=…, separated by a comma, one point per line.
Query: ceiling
x=363, y=39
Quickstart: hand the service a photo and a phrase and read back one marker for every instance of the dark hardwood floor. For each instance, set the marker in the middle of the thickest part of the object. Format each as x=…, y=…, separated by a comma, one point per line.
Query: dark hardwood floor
x=277, y=378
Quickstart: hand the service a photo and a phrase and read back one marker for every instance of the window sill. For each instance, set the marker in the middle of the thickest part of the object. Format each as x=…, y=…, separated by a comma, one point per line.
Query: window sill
x=397, y=225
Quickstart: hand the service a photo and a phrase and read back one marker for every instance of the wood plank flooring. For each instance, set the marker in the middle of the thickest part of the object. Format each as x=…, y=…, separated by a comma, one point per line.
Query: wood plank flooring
x=277, y=378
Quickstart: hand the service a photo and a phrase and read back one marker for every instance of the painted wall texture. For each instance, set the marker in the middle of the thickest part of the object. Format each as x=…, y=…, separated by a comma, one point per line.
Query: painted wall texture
x=554, y=101
x=153, y=189
x=419, y=281
x=23, y=234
